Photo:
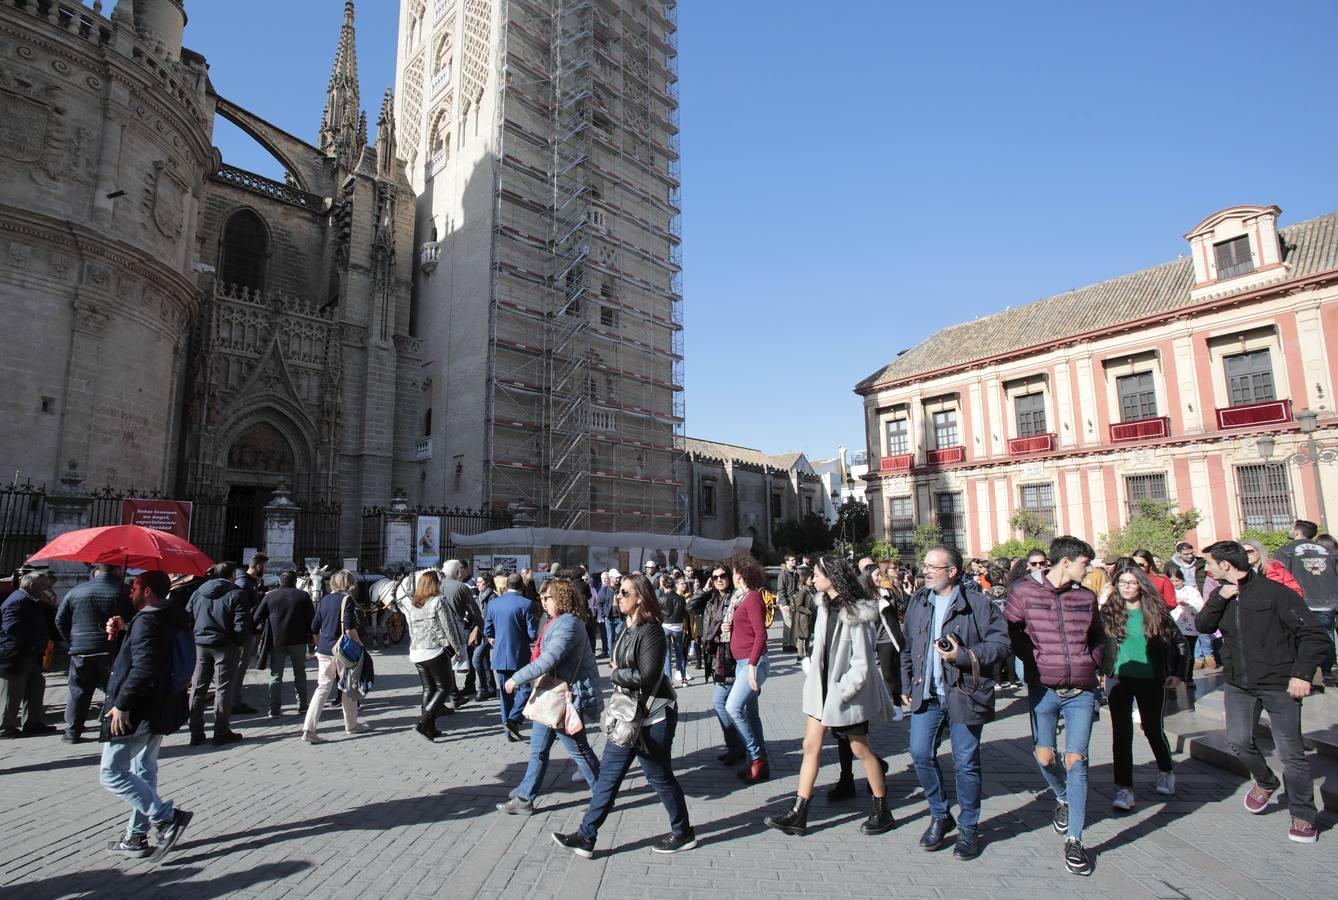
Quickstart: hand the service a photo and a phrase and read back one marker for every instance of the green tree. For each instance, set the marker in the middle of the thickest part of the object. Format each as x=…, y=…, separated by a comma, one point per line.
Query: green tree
x=883, y=550
x=1031, y=523
x=1271, y=540
x=852, y=522
x=809, y=535
x=1155, y=526
x=1017, y=547
x=924, y=537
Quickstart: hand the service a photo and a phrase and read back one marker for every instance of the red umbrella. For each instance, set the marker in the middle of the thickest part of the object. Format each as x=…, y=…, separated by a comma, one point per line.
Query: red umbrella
x=131, y=546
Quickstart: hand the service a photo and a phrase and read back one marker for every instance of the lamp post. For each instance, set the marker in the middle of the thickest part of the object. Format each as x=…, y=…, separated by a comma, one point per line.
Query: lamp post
x=1314, y=454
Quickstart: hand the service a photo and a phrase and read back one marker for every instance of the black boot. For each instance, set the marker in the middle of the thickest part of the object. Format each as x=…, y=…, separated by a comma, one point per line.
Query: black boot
x=793, y=822
x=880, y=818
x=844, y=789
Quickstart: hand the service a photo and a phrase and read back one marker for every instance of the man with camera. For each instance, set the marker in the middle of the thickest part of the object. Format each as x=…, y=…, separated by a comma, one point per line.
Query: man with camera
x=956, y=638
x=1055, y=619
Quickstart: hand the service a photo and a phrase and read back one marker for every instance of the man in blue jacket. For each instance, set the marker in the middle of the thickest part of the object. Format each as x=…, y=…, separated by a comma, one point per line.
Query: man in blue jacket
x=81, y=620
x=140, y=710
x=510, y=626
x=951, y=683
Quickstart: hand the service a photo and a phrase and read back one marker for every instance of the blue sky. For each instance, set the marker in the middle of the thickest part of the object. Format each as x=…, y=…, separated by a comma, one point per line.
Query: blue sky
x=858, y=175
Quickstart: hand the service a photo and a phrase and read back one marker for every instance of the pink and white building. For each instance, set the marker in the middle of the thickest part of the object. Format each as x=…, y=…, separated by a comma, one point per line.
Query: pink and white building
x=1159, y=384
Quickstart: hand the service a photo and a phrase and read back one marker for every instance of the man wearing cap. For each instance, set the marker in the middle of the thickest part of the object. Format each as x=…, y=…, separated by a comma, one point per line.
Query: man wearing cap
x=1194, y=568
x=649, y=568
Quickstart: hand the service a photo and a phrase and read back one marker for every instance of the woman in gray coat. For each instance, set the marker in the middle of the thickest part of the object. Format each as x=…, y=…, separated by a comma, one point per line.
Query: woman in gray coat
x=844, y=691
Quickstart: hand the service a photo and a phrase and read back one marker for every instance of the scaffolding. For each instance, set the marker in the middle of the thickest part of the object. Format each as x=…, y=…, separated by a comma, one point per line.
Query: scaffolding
x=586, y=405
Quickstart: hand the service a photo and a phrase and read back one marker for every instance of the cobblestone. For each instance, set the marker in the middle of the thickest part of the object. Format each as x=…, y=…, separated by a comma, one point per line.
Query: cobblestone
x=386, y=814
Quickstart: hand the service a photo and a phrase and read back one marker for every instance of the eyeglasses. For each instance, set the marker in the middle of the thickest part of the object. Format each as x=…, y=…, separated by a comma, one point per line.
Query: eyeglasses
x=1126, y=582
x=929, y=568
x=1249, y=550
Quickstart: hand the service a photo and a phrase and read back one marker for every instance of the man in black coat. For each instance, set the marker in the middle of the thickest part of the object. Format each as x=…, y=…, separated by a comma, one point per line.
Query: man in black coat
x=1271, y=645
x=222, y=623
x=140, y=710
x=288, y=613
x=251, y=582
x=23, y=637
x=81, y=620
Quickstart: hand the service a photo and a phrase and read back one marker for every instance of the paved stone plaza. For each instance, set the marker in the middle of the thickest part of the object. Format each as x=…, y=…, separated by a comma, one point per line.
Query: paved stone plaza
x=386, y=815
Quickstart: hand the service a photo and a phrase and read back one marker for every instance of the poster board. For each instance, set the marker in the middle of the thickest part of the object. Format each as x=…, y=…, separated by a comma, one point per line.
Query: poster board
x=427, y=546
x=172, y=516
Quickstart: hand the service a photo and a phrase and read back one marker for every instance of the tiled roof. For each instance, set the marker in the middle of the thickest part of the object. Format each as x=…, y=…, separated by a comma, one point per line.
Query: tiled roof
x=1311, y=247
x=717, y=450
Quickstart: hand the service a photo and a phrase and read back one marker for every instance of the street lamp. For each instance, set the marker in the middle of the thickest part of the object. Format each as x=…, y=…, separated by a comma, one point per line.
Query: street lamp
x=1314, y=454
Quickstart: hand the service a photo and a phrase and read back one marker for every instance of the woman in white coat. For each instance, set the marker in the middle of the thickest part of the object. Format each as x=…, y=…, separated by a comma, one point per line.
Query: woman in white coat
x=844, y=691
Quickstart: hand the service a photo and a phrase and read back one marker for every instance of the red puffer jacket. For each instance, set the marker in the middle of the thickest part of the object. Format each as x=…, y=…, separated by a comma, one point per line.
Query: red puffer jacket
x=1056, y=633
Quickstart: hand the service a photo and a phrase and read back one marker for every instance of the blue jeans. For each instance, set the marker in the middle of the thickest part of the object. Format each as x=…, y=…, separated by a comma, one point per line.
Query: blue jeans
x=482, y=661
x=655, y=752
x=130, y=771
x=612, y=628
x=1079, y=712
x=675, y=653
x=1325, y=617
x=741, y=706
x=541, y=741
x=927, y=727
x=511, y=705
x=719, y=697
x=1203, y=647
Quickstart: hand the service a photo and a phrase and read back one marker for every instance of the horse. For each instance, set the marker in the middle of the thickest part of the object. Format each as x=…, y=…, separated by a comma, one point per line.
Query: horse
x=385, y=599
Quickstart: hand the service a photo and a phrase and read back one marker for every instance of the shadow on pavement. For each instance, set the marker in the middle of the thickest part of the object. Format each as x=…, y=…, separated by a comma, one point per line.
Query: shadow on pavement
x=103, y=881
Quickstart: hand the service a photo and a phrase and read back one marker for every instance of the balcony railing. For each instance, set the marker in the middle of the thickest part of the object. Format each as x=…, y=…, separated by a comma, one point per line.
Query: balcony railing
x=1031, y=444
x=946, y=456
x=1248, y=415
x=1140, y=430
x=429, y=254
x=423, y=449
x=901, y=462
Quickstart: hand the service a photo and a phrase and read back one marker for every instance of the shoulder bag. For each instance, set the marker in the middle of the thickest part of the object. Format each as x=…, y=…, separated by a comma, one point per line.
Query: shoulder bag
x=347, y=652
x=622, y=713
x=551, y=704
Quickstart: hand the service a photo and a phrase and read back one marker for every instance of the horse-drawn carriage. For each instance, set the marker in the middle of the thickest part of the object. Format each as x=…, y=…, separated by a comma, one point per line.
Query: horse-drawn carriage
x=376, y=597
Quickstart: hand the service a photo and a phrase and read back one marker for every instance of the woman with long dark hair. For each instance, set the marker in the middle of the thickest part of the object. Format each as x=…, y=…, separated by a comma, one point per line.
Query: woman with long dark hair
x=747, y=630
x=638, y=672
x=1144, y=655
x=888, y=647
x=1148, y=563
x=843, y=691
x=714, y=606
x=432, y=633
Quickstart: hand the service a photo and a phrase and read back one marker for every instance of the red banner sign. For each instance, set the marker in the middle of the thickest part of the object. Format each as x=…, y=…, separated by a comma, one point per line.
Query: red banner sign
x=172, y=516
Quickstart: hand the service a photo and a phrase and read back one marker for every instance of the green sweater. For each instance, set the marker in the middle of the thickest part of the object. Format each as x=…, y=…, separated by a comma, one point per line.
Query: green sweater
x=1133, y=661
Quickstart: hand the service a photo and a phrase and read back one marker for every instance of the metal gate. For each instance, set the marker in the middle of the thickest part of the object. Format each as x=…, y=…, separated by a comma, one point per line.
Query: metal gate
x=22, y=523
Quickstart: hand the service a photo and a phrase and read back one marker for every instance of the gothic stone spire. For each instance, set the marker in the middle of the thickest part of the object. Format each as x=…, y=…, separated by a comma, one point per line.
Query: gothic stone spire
x=386, y=140
x=339, y=127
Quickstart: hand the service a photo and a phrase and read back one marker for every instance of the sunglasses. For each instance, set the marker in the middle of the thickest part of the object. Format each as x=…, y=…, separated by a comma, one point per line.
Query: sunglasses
x=1036, y=564
x=626, y=593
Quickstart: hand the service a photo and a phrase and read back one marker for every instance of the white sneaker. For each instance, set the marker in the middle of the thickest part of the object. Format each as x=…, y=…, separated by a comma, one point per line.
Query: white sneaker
x=1165, y=784
x=1124, y=800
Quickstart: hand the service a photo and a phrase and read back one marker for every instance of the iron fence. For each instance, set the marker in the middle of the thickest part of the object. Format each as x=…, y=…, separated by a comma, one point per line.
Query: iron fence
x=453, y=519
x=22, y=523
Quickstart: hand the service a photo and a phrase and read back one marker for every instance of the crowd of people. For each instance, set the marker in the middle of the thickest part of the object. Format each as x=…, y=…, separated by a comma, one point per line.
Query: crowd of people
x=875, y=643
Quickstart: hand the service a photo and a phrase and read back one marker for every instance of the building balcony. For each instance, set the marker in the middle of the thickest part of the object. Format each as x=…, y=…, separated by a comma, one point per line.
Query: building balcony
x=422, y=450
x=1248, y=415
x=945, y=456
x=901, y=462
x=1031, y=444
x=429, y=254
x=1140, y=430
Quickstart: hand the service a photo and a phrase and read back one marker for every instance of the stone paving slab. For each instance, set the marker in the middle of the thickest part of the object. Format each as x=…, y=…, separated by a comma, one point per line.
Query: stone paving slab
x=387, y=815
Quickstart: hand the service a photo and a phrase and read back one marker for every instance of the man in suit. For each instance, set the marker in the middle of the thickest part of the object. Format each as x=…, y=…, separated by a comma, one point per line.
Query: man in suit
x=510, y=626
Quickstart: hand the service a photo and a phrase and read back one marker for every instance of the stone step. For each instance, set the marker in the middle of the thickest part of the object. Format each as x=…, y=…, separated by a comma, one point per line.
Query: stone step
x=1319, y=719
x=1209, y=744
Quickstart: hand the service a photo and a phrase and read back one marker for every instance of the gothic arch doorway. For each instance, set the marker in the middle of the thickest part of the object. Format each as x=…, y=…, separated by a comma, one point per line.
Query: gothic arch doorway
x=257, y=462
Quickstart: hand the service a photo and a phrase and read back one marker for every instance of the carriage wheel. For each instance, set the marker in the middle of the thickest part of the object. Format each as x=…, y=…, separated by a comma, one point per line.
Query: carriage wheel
x=771, y=614
x=395, y=627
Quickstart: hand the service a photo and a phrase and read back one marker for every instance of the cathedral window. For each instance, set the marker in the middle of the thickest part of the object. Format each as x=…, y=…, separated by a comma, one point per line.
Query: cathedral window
x=245, y=251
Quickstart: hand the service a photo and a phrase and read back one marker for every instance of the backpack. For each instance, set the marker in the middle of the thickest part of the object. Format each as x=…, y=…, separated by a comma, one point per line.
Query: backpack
x=173, y=707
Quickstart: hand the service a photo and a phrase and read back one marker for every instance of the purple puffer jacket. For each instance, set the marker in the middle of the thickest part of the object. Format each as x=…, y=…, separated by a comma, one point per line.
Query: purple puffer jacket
x=1057, y=633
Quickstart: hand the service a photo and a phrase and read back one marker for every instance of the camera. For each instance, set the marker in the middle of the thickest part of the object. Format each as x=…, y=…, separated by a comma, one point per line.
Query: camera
x=944, y=644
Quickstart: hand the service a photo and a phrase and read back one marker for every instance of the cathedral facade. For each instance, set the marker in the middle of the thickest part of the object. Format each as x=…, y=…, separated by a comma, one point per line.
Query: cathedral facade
x=179, y=324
